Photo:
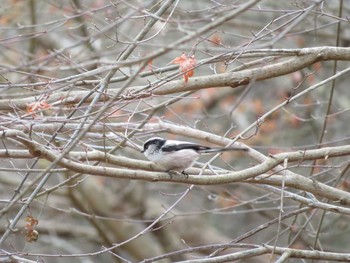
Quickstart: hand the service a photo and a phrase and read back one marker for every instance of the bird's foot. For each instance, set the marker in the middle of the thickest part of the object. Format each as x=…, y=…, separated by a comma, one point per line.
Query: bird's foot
x=176, y=173
x=185, y=174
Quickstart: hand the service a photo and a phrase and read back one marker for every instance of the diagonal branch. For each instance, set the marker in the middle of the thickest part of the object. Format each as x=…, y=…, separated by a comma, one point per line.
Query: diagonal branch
x=304, y=58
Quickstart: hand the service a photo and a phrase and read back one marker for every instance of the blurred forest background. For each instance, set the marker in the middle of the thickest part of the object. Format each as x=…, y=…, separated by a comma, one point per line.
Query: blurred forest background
x=84, y=83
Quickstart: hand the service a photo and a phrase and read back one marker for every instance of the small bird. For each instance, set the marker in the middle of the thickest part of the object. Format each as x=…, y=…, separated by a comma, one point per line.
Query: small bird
x=172, y=155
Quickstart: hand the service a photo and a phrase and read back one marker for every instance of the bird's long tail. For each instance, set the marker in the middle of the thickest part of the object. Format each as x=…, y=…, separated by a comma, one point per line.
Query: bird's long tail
x=226, y=149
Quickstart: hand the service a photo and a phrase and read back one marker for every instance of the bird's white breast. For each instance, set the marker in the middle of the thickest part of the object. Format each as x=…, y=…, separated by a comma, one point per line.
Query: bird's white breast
x=177, y=160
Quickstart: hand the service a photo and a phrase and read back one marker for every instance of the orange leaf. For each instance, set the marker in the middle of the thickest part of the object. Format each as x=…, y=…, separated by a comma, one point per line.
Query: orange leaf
x=38, y=105
x=187, y=65
x=216, y=39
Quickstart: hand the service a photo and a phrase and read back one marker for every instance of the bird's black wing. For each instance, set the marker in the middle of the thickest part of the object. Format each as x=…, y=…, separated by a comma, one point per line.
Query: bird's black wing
x=184, y=146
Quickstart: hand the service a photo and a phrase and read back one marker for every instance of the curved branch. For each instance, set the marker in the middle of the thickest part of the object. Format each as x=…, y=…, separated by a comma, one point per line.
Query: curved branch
x=290, y=180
